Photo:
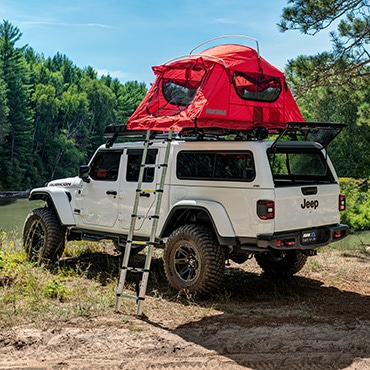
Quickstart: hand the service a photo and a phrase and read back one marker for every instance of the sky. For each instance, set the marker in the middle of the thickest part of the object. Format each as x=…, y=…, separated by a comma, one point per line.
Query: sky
x=125, y=38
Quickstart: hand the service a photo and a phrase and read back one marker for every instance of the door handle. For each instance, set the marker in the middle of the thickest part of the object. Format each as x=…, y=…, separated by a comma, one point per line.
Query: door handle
x=310, y=190
x=111, y=192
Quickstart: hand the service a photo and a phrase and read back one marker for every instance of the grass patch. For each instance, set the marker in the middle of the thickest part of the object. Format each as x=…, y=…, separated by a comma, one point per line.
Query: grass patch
x=43, y=295
x=83, y=284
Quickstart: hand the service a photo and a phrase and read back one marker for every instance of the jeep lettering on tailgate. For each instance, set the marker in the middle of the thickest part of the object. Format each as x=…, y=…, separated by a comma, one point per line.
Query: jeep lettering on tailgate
x=310, y=204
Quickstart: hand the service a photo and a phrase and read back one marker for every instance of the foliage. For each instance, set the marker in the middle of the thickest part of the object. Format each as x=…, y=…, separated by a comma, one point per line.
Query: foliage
x=357, y=215
x=54, y=289
x=353, y=23
x=32, y=293
x=333, y=86
x=52, y=113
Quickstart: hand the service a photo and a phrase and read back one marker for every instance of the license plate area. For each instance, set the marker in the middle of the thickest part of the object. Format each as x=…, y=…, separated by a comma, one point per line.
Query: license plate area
x=309, y=237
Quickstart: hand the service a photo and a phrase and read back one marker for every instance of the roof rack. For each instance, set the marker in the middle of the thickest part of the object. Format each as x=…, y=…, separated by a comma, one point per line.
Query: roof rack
x=321, y=132
x=114, y=132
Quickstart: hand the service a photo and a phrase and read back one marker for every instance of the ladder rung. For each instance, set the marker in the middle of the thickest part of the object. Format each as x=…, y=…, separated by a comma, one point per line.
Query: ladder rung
x=135, y=269
x=137, y=242
x=154, y=165
x=149, y=191
x=149, y=217
x=139, y=216
x=150, y=165
x=152, y=241
x=130, y=296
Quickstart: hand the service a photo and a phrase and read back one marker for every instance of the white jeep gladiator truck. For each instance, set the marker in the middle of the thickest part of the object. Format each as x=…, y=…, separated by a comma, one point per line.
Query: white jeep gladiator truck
x=226, y=196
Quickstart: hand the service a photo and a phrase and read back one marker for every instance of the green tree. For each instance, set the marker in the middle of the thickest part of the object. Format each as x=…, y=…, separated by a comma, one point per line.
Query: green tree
x=46, y=109
x=15, y=158
x=349, y=58
x=102, y=105
x=353, y=29
x=333, y=86
x=4, y=123
x=52, y=113
x=128, y=98
x=69, y=134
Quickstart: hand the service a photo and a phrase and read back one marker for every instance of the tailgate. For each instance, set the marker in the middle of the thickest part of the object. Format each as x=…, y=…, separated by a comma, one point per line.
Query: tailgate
x=302, y=207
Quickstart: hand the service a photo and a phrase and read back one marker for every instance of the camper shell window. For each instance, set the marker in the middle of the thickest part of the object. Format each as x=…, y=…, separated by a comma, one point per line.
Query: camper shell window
x=257, y=86
x=300, y=166
x=222, y=166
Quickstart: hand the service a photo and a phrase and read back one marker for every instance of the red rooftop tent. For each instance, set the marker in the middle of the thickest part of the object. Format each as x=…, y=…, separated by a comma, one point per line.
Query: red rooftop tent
x=228, y=86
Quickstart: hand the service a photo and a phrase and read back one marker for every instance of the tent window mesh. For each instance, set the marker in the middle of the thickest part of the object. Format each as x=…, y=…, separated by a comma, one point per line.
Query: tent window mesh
x=178, y=92
x=257, y=86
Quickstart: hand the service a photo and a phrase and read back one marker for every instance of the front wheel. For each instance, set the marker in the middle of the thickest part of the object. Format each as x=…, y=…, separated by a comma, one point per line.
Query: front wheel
x=43, y=236
x=193, y=260
x=284, y=263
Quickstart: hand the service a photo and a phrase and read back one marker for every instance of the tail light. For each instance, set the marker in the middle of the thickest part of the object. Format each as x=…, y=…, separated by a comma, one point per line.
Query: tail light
x=338, y=234
x=266, y=209
x=342, y=202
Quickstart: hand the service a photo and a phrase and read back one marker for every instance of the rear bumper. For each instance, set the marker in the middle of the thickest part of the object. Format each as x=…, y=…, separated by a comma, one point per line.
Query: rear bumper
x=303, y=239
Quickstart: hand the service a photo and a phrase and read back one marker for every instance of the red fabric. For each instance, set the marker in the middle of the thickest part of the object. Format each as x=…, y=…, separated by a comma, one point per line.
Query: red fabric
x=200, y=90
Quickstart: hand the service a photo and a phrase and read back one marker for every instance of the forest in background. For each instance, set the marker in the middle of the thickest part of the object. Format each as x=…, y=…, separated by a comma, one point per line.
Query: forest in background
x=53, y=113
x=334, y=86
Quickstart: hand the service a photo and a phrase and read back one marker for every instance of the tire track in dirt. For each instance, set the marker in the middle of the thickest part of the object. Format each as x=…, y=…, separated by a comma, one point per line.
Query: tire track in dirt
x=208, y=344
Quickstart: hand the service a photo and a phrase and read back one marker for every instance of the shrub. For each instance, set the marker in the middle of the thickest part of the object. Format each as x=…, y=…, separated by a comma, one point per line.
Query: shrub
x=357, y=215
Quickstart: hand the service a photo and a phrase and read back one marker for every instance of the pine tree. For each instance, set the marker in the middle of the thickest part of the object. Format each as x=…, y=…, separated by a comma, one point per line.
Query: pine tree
x=16, y=160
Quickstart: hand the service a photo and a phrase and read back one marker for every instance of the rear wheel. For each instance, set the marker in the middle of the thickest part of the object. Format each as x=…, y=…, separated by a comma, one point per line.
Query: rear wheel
x=193, y=260
x=43, y=236
x=285, y=263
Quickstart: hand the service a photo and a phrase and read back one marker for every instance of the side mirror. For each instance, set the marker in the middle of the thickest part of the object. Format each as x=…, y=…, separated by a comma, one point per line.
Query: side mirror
x=83, y=173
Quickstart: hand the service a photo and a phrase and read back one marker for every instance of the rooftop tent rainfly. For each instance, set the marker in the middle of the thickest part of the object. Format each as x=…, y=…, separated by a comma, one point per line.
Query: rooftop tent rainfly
x=228, y=86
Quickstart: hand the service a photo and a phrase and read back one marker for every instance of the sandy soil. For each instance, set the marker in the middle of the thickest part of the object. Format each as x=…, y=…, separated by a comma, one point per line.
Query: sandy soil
x=318, y=320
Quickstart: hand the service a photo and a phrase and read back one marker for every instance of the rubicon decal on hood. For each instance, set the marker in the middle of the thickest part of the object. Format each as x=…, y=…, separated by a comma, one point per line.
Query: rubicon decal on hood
x=63, y=184
x=310, y=204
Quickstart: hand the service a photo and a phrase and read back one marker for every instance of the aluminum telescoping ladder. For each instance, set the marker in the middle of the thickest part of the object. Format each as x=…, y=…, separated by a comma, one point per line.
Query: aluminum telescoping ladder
x=140, y=296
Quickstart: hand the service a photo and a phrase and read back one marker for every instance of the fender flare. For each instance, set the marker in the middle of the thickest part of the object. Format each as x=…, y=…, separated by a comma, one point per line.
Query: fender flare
x=60, y=199
x=216, y=211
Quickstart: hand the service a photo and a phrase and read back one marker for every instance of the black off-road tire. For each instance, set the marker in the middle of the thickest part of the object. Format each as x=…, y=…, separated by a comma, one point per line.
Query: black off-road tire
x=43, y=236
x=286, y=263
x=193, y=260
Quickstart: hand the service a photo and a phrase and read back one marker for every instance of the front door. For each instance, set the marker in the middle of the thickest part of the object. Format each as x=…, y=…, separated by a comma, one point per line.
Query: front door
x=129, y=189
x=99, y=196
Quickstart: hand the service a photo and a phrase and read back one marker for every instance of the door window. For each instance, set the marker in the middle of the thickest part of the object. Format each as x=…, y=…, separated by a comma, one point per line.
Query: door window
x=134, y=158
x=105, y=165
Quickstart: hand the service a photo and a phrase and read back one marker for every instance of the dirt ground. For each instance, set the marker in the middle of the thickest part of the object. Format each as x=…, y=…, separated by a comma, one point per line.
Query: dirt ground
x=320, y=319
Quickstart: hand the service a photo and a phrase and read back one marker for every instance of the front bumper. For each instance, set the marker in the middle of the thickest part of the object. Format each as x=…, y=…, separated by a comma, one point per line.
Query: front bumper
x=303, y=239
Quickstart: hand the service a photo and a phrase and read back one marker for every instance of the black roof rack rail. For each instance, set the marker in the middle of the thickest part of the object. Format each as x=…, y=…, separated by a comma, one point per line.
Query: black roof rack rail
x=113, y=132
x=322, y=132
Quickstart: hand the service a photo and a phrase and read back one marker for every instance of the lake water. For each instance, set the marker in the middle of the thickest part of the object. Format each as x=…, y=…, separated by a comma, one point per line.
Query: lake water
x=13, y=212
